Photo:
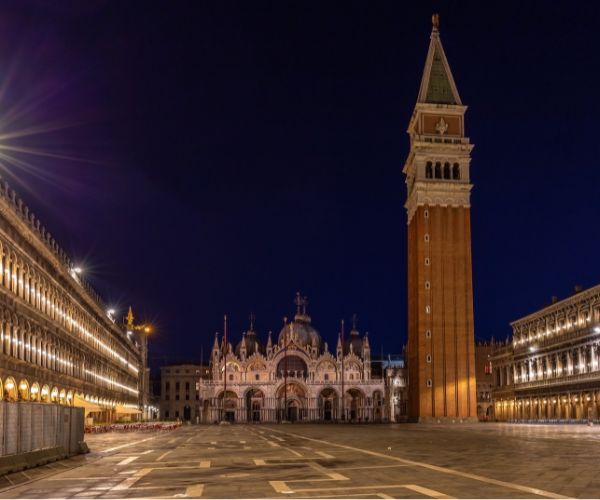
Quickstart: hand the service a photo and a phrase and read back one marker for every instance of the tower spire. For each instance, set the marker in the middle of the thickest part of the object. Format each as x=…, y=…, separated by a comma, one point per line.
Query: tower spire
x=437, y=83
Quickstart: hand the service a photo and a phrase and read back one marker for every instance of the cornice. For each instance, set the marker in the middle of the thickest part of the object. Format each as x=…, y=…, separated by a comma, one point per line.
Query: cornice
x=444, y=194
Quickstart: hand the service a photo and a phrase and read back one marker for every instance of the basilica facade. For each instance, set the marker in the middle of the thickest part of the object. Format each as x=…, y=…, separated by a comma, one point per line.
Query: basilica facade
x=293, y=377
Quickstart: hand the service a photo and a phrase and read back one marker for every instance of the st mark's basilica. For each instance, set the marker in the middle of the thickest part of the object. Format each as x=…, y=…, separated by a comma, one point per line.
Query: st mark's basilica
x=294, y=378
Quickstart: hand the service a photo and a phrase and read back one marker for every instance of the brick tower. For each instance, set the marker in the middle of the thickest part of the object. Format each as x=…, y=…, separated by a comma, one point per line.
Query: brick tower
x=441, y=350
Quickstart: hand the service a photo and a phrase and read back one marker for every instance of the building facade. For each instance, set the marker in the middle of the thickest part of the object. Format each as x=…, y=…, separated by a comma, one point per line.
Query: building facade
x=58, y=342
x=295, y=378
x=484, y=377
x=396, y=387
x=550, y=369
x=441, y=347
x=180, y=392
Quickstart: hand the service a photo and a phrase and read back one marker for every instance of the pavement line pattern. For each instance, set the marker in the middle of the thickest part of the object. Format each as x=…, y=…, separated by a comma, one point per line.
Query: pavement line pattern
x=146, y=452
x=127, y=460
x=259, y=461
x=205, y=464
x=476, y=477
x=114, y=448
x=426, y=491
x=383, y=495
x=324, y=455
x=194, y=491
x=130, y=481
x=164, y=455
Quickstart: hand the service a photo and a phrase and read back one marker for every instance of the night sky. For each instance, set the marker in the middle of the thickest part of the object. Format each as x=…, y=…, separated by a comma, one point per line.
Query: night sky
x=205, y=158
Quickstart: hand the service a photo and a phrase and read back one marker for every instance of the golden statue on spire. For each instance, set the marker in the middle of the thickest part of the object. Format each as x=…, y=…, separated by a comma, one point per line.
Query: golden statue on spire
x=435, y=21
x=130, y=317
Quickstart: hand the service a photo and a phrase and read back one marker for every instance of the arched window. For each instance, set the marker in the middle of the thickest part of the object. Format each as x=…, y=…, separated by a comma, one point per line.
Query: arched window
x=438, y=170
x=456, y=171
x=294, y=366
x=446, y=170
x=428, y=170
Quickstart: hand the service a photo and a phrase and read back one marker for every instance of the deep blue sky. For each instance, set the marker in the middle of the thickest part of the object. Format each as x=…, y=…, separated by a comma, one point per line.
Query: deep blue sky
x=236, y=152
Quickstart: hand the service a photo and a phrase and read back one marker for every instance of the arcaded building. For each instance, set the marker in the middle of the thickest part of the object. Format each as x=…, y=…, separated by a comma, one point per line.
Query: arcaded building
x=59, y=343
x=293, y=377
x=550, y=369
x=441, y=346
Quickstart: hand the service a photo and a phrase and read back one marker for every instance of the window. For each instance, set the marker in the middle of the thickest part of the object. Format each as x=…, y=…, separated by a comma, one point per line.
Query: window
x=187, y=396
x=177, y=397
x=429, y=383
x=166, y=413
x=177, y=386
x=187, y=386
x=426, y=214
x=427, y=261
x=257, y=377
x=167, y=386
x=230, y=377
x=438, y=170
x=326, y=376
x=446, y=170
x=428, y=334
x=426, y=238
x=428, y=358
x=427, y=285
x=428, y=170
x=176, y=413
x=456, y=171
x=427, y=309
x=488, y=367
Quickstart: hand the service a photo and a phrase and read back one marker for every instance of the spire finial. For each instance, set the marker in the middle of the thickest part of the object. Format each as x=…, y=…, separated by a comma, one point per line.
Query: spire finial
x=435, y=21
x=354, y=321
x=304, y=304
x=252, y=318
x=299, y=302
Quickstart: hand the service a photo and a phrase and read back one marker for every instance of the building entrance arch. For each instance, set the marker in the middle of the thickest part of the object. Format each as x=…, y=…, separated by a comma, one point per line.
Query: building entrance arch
x=254, y=403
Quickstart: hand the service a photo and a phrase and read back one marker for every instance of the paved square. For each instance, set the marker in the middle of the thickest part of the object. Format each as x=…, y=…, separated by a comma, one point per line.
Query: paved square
x=333, y=461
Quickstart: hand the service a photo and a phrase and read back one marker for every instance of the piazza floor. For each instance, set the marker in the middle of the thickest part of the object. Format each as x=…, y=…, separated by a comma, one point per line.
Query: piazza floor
x=333, y=461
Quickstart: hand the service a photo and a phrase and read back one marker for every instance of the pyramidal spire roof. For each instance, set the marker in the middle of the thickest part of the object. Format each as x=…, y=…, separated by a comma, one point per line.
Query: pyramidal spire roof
x=437, y=84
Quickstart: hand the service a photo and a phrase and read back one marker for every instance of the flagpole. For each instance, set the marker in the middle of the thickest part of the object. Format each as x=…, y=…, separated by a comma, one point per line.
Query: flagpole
x=225, y=364
x=343, y=394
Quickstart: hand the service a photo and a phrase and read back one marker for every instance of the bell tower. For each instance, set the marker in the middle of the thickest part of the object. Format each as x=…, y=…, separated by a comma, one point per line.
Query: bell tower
x=441, y=347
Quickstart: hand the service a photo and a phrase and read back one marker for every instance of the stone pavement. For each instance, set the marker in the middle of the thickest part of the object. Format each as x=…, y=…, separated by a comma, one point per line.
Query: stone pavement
x=333, y=461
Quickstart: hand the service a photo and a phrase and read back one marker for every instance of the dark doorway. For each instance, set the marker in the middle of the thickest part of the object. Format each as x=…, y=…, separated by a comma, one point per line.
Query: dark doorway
x=328, y=412
x=292, y=411
x=187, y=413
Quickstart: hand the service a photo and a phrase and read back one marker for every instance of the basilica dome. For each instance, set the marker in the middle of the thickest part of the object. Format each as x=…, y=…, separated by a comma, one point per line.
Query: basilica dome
x=355, y=341
x=253, y=345
x=301, y=332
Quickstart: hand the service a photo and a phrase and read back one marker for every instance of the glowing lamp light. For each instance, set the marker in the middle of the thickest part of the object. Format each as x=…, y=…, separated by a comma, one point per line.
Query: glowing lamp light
x=554, y=401
x=532, y=349
x=588, y=398
x=44, y=391
x=111, y=312
x=77, y=270
x=10, y=385
x=34, y=390
x=23, y=386
x=597, y=329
